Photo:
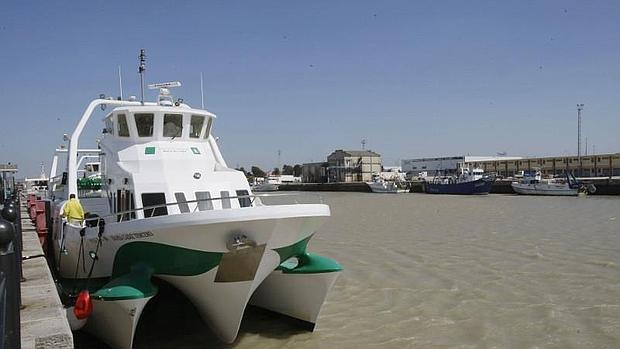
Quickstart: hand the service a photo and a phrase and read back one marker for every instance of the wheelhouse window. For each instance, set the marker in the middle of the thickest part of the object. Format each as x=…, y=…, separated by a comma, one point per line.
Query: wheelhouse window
x=123, y=128
x=195, y=126
x=208, y=129
x=154, y=199
x=204, y=200
x=225, y=196
x=144, y=124
x=173, y=125
x=109, y=126
x=244, y=200
x=183, y=206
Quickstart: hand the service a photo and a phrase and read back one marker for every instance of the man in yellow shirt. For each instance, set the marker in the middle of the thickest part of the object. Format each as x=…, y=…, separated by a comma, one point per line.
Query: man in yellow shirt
x=73, y=211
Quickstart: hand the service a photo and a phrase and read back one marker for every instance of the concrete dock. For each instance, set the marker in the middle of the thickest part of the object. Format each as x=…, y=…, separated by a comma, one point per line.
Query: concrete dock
x=43, y=320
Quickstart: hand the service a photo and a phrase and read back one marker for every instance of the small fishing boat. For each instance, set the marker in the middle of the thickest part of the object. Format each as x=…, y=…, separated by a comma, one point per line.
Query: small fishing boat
x=163, y=206
x=467, y=182
x=380, y=185
x=532, y=183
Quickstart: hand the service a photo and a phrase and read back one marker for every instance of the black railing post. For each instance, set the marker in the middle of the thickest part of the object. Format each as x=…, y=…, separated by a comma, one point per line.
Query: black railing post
x=10, y=212
x=9, y=288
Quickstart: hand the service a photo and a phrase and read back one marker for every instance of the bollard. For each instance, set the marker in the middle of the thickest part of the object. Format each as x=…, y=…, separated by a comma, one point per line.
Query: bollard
x=9, y=303
x=9, y=213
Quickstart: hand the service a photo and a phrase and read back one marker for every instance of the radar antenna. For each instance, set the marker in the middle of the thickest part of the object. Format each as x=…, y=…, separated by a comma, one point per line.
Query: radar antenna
x=141, y=69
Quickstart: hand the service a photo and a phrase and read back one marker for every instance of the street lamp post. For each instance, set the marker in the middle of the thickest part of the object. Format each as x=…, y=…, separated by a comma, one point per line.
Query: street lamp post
x=579, y=109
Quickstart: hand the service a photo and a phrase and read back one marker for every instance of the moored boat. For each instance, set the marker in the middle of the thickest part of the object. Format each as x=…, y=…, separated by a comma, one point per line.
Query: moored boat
x=168, y=207
x=468, y=182
x=380, y=185
x=532, y=183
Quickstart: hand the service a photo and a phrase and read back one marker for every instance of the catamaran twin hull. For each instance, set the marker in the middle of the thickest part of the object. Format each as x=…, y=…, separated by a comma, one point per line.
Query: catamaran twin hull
x=218, y=259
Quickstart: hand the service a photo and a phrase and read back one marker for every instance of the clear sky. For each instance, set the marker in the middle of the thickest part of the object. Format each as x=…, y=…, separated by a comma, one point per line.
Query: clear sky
x=413, y=78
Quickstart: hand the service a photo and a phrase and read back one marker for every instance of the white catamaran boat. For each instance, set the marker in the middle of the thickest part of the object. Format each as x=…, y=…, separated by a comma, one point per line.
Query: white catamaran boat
x=169, y=208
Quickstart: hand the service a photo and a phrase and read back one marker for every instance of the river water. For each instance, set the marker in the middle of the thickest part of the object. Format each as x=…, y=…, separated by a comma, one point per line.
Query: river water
x=434, y=271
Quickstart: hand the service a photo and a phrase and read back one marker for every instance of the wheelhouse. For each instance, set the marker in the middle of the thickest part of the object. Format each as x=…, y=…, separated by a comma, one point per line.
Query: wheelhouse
x=143, y=124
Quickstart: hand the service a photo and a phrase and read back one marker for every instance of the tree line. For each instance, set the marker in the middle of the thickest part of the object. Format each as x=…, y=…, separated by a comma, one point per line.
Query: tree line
x=256, y=171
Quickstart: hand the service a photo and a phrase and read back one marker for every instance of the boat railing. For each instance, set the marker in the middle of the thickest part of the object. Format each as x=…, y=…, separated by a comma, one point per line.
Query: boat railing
x=245, y=201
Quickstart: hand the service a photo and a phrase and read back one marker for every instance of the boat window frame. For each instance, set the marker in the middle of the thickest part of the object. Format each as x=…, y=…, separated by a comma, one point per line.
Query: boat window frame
x=118, y=125
x=200, y=129
x=204, y=199
x=225, y=199
x=109, y=125
x=163, y=123
x=208, y=127
x=182, y=202
x=135, y=121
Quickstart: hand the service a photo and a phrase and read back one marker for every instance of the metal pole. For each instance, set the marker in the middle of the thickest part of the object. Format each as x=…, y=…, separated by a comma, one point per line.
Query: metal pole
x=141, y=69
x=579, y=138
x=120, y=82
x=202, y=93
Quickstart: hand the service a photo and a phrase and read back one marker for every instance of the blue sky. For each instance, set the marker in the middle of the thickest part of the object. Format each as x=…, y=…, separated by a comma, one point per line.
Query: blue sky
x=413, y=78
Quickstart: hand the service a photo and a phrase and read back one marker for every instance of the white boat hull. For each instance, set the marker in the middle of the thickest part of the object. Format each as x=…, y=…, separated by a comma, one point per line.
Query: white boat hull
x=115, y=322
x=300, y=296
x=544, y=189
x=179, y=248
x=383, y=187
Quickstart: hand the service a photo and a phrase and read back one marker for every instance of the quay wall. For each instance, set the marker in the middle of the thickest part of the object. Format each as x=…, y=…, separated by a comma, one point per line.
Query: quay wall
x=344, y=186
x=604, y=186
x=44, y=322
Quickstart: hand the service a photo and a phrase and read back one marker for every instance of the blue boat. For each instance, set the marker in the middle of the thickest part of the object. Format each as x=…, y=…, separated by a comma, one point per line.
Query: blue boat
x=467, y=183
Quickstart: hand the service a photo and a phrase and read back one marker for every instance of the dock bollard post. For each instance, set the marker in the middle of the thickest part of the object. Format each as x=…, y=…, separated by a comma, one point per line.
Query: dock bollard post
x=10, y=213
x=9, y=289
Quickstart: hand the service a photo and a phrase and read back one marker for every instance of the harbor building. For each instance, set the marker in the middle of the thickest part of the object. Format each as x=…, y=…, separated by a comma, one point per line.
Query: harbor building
x=599, y=165
x=314, y=172
x=448, y=164
x=343, y=166
x=352, y=165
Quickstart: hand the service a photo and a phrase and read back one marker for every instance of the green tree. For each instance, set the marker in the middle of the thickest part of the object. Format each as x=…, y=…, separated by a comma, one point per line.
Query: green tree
x=297, y=170
x=287, y=170
x=257, y=172
x=276, y=171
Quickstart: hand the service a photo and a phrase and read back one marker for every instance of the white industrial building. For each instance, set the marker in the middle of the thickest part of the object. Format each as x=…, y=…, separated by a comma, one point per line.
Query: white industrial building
x=447, y=164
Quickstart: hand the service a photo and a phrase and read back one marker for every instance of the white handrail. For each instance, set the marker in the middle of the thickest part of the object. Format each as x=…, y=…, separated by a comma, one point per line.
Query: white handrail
x=75, y=137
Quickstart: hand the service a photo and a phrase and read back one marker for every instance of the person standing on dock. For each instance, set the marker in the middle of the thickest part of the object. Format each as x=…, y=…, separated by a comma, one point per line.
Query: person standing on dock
x=73, y=211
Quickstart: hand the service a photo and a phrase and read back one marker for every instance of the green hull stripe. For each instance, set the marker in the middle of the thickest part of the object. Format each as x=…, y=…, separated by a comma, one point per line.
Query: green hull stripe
x=296, y=249
x=309, y=263
x=164, y=259
x=136, y=284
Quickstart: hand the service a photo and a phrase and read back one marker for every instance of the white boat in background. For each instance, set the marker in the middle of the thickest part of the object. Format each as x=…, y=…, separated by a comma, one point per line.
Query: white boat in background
x=272, y=182
x=380, y=185
x=168, y=207
x=532, y=183
x=37, y=186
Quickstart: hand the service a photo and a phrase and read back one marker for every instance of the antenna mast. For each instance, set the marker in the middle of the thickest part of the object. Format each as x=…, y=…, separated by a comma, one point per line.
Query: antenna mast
x=120, y=82
x=141, y=69
x=579, y=109
x=202, y=93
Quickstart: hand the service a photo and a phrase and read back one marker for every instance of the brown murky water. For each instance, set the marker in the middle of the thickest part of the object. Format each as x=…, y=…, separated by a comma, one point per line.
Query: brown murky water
x=431, y=271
